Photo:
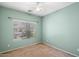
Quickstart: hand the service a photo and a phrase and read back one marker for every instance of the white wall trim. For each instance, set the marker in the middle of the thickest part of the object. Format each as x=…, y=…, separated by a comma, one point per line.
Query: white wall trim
x=20, y=47
x=46, y=43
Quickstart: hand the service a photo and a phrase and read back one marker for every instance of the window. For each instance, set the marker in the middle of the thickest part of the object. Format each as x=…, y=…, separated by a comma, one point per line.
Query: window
x=23, y=29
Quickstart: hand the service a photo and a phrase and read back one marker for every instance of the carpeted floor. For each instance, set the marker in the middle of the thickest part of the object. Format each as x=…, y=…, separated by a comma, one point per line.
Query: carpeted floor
x=38, y=50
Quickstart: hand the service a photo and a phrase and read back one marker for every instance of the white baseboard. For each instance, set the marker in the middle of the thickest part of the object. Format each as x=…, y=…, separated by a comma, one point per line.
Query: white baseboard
x=46, y=43
x=19, y=47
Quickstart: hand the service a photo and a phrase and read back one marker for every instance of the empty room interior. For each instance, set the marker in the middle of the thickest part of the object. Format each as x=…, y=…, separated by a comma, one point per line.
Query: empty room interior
x=39, y=29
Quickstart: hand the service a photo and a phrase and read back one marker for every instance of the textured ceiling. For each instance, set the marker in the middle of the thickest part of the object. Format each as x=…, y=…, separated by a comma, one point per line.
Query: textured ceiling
x=30, y=7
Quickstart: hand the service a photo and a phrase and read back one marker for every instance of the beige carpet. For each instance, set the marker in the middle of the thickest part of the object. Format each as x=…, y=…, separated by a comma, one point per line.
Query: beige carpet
x=38, y=50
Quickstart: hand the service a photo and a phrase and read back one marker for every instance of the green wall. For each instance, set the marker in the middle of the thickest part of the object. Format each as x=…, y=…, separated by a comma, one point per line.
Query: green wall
x=61, y=29
x=6, y=34
x=0, y=30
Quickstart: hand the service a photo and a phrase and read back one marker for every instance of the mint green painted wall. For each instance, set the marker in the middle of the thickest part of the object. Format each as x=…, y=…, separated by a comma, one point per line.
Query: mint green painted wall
x=0, y=31
x=6, y=35
x=61, y=29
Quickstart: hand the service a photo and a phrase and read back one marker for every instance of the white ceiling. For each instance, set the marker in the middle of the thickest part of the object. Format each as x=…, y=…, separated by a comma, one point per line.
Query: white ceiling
x=46, y=7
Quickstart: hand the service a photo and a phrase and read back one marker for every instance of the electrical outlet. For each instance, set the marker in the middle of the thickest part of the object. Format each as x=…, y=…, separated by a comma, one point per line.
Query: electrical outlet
x=8, y=45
